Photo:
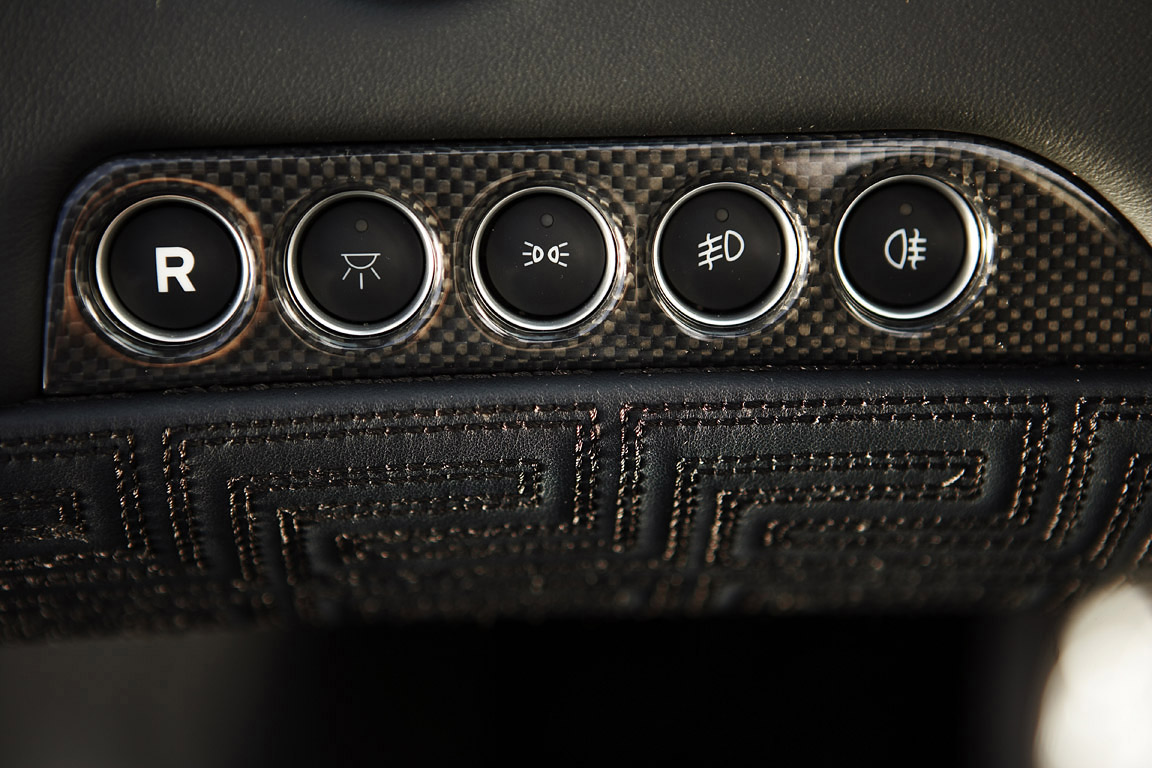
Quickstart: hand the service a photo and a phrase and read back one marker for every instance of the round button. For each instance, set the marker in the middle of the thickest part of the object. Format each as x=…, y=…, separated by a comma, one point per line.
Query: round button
x=725, y=254
x=544, y=259
x=907, y=247
x=172, y=269
x=361, y=264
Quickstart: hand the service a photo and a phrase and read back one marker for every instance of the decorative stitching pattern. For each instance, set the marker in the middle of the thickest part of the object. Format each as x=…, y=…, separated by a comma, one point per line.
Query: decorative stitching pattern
x=411, y=546
x=1090, y=416
x=1130, y=501
x=64, y=503
x=293, y=521
x=124, y=586
x=636, y=419
x=92, y=444
x=962, y=478
x=526, y=474
x=1082, y=456
x=836, y=559
x=183, y=444
x=178, y=444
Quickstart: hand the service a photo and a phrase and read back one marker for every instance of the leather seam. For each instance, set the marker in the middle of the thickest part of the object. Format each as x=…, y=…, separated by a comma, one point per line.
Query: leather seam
x=632, y=435
x=176, y=451
x=247, y=541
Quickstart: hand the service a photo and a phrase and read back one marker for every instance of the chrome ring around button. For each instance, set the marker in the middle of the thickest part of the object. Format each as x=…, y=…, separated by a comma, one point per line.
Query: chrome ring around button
x=778, y=296
x=123, y=319
x=976, y=252
x=432, y=261
x=501, y=318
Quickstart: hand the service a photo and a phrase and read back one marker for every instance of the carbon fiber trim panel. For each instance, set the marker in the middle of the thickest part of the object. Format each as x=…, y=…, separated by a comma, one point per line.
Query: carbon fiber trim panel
x=1069, y=283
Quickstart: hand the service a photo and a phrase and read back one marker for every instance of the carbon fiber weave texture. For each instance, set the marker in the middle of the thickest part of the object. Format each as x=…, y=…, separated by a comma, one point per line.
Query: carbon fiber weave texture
x=1070, y=282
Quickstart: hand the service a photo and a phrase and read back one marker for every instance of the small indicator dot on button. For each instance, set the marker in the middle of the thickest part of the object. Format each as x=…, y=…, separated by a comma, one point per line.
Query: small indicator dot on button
x=907, y=248
x=727, y=275
x=361, y=264
x=543, y=260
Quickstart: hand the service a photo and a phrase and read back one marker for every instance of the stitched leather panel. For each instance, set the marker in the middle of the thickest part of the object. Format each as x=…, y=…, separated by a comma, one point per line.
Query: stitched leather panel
x=634, y=494
x=77, y=550
x=844, y=504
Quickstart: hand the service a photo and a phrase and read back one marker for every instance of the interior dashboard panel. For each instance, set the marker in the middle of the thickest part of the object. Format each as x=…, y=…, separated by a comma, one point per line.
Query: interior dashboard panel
x=721, y=425
x=1065, y=95
x=876, y=250
x=1036, y=158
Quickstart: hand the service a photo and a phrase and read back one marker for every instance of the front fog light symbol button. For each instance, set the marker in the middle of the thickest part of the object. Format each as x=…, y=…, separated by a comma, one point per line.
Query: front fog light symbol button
x=724, y=255
x=543, y=259
x=171, y=269
x=711, y=249
x=360, y=264
x=907, y=247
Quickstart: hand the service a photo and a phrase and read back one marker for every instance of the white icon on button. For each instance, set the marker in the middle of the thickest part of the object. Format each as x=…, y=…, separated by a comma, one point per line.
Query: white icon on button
x=166, y=270
x=912, y=249
x=535, y=254
x=360, y=262
x=729, y=246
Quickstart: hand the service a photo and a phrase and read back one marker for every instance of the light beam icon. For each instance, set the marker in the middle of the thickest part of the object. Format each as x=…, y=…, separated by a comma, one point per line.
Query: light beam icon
x=912, y=249
x=360, y=263
x=535, y=254
x=729, y=246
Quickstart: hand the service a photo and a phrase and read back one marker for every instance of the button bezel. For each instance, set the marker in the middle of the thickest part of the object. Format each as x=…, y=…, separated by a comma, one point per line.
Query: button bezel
x=960, y=293
x=575, y=323
x=341, y=333
x=780, y=295
x=119, y=322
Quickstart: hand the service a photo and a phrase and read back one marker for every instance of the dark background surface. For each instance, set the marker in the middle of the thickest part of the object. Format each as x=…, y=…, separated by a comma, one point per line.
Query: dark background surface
x=878, y=690
x=86, y=81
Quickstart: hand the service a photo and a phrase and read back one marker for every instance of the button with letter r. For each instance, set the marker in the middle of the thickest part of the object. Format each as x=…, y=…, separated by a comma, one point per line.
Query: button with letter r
x=171, y=269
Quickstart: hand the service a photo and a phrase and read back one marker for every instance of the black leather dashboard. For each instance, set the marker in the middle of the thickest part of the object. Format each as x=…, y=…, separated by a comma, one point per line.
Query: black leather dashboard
x=801, y=490
x=545, y=496
x=88, y=81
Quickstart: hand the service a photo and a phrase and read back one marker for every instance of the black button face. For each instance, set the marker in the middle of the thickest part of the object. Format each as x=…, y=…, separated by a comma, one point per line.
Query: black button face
x=903, y=248
x=721, y=254
x=541, y=259
x=171, y=269
x=358, y=263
